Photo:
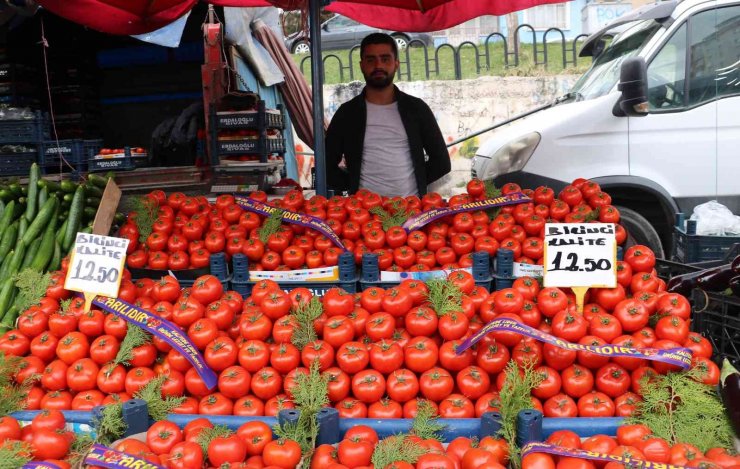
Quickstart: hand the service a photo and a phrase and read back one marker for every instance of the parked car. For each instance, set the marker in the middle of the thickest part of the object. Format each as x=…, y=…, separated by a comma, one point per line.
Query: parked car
x=655, y=121
x=340, y=32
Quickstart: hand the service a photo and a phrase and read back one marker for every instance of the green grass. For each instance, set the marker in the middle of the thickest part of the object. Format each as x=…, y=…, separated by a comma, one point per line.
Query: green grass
x=446, y=68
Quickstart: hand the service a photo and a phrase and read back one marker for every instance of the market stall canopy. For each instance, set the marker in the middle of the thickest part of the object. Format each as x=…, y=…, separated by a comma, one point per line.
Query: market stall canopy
x=125, y=17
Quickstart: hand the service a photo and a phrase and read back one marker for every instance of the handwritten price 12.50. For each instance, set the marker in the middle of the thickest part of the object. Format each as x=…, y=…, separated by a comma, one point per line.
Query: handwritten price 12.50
x=90, y=271
x=572, y=263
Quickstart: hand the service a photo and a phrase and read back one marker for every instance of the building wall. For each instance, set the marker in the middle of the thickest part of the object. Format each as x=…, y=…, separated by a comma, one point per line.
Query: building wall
x=571, y=29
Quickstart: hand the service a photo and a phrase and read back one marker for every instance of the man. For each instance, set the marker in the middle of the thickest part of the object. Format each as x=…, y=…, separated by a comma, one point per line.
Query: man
x=383, y=133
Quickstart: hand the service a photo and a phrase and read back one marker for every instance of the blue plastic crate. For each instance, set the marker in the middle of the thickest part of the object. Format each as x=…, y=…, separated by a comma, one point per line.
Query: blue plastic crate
x=18, y=164
x=26, y=130
x=717, y=317
x=347, y=277
x=128, y=162
x=371, y=273
x=583, y=426
x=690, y=248
x=70, y=150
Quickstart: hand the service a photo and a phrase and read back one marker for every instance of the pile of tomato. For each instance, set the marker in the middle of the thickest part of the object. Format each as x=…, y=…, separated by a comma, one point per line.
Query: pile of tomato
x=633, y=442
x=251, y=445
x=47, y=437
x=189, y=229
x=382, y=349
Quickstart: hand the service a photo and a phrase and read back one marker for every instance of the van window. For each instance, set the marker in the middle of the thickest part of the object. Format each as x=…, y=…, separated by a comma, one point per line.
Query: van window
x=714, y=68
x=667, y=73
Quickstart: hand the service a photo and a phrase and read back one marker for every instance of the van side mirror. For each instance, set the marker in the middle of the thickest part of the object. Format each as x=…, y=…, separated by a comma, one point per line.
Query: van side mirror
x=633, y=84
x=325, y=27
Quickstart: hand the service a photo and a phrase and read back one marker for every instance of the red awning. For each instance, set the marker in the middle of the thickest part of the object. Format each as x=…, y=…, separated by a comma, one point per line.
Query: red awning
x=120, y=17
x=426, y=15
x=142, y=16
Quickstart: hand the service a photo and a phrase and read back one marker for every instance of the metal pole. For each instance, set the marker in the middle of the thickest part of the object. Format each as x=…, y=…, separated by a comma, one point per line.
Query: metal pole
x=317, y=78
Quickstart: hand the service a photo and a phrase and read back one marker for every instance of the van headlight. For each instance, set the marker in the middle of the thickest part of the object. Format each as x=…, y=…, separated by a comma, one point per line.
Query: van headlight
x=510, y=157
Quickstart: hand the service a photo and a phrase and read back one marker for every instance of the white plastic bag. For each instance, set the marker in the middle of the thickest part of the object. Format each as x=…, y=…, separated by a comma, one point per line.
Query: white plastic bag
x=714, y=219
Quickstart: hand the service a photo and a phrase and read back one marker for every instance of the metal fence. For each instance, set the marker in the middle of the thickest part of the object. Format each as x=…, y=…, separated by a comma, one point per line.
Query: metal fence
x=482, y=51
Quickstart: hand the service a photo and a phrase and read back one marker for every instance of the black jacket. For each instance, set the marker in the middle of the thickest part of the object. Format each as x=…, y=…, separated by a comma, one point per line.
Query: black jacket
x=346, y=136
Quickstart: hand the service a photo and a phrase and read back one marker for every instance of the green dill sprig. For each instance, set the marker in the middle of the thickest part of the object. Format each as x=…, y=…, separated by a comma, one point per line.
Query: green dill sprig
x=426, y=423
x=514, y=397
x=444, y=297
x=679, y=408
x=32, y=286
x=13, y=395
x=207, y=435
x=396, y=448
x=396, y=217
x=271, y=225
x=80, y=448
x=111, y=426
x=146, y=214
x=492, y=192
x=135, y=337
x=157, y=406
x=310, y=395
x=305, y=314
x=14, y=453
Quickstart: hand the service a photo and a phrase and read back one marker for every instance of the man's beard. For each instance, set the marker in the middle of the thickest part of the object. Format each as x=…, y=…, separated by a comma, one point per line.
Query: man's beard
x=378, y=82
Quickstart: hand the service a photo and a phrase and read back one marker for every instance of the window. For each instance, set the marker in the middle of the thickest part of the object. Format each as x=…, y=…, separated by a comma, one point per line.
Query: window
x=342, y=22
x=548, y=16
x=714, y=67
x=667, y=73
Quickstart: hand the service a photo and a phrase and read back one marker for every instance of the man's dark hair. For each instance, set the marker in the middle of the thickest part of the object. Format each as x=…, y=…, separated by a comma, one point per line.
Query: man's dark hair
x=379, y=38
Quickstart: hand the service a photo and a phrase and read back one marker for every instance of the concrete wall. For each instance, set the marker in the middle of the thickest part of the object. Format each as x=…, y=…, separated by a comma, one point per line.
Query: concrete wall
x=464, y=106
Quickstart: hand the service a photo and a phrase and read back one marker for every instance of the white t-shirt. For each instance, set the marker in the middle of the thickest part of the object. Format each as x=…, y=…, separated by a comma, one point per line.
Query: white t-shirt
x=386, y=158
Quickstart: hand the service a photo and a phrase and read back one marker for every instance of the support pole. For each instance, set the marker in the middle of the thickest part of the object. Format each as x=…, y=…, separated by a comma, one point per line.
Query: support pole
x=317, y=89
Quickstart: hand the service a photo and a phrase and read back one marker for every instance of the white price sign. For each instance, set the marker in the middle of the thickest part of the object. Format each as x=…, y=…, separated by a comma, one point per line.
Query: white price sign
x=580, y=255
x=96, y=265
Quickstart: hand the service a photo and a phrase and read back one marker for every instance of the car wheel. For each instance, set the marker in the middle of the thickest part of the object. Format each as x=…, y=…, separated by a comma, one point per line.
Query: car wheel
x=640, y=231
x=301, y=47
x=401, y=41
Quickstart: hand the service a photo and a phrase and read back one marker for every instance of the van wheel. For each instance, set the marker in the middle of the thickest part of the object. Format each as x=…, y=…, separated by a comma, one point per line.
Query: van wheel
x=640, y=231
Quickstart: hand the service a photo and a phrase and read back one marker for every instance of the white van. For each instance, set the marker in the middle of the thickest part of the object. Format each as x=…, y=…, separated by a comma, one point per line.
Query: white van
x=655, y=120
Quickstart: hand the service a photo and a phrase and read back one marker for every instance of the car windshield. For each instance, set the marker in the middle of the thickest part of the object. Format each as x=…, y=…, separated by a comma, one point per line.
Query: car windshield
x=604, y=72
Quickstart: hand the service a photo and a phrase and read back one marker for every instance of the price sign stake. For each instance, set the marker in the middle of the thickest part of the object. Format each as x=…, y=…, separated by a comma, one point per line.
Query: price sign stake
x=580, y=256
x=96, y=266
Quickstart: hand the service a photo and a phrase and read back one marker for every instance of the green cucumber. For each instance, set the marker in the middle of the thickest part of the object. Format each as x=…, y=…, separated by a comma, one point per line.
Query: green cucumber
x=8, y=321
x=2, y=208
x=6, y=295
x=62, y=230
x=6, y=195
x=40, y=221
x=43, y=196
x=68, y=186
x=75, y=218
x=93, y=191
x=33, y=188
x=8, y=240
x=17, y=260
x=68, y=198
x=22, y=228
x=45, y=250
x=98, y=181
x=52, y=185
x=56, y=258
x=92, y=202
x=90, y=212
x=30, y=253
x=6, y=264
x=15, y=188
x=7, y=217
